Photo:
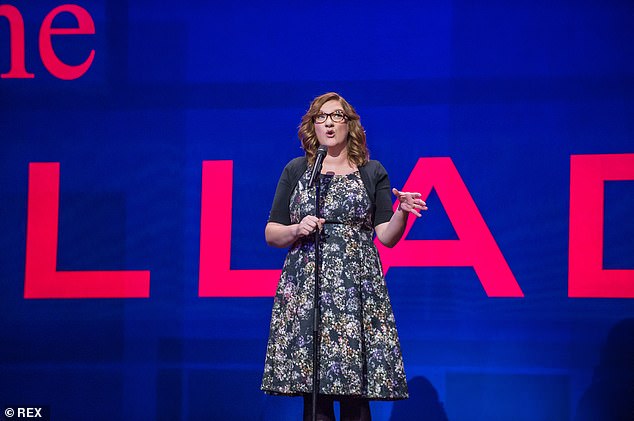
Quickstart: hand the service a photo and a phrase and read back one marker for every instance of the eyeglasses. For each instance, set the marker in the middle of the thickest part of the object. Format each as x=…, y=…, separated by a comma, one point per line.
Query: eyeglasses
x=336, y=117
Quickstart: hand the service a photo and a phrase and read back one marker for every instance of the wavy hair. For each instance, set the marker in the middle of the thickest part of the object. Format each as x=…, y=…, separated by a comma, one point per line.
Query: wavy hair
x=358, y=153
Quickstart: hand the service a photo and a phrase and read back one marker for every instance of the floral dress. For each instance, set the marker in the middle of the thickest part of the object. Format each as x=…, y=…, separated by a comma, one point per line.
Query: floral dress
x=360, y=353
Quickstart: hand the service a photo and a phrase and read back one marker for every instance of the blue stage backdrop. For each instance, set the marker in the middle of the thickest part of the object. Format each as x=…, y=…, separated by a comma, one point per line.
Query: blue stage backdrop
x=141, y=146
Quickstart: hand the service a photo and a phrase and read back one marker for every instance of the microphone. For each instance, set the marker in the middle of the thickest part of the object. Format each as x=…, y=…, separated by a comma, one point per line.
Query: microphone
x=319, y=159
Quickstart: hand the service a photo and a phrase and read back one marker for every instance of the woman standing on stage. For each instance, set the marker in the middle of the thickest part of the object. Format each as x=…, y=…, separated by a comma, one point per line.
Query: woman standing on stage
x=359, y=351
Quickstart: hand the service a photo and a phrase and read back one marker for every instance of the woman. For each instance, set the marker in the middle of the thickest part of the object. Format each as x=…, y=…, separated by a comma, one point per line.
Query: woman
x=360, y=356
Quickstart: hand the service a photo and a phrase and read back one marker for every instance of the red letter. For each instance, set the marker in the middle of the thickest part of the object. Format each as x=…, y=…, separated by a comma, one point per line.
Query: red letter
x=216, y=278
x=476, y=246
x=586, y=276
x=41, y=277
x=85, y=26
x=16, y=32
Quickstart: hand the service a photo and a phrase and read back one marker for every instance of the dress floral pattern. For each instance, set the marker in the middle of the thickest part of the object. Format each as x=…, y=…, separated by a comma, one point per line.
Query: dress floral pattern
x=360, y=353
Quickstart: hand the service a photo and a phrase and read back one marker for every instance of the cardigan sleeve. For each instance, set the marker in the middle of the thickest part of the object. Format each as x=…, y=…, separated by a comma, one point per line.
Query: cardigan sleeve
x=280, y=212
x=383, y=196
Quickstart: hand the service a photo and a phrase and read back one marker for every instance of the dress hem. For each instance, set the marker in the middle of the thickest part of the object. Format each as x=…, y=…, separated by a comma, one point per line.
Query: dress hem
x=335, y=397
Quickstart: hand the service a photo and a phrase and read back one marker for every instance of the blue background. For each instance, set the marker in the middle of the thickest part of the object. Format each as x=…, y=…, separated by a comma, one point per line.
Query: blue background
x=508, y=90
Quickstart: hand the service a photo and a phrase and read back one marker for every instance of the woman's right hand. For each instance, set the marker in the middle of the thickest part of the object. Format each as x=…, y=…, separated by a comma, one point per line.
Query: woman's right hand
x=308, y=225
x=279, y=235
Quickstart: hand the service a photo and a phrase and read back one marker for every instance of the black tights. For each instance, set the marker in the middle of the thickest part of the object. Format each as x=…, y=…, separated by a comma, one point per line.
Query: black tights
x=350, y=408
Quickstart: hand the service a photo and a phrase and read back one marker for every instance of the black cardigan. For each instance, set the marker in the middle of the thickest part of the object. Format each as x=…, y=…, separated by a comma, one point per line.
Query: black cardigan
x=374, y=178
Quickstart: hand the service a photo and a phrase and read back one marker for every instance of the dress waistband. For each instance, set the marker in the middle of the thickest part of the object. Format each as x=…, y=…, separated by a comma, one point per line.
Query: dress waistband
x=354, y=225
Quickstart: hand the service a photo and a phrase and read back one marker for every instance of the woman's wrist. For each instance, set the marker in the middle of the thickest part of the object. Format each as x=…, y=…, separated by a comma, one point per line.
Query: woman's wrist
x=400, y=209
x=295, y=231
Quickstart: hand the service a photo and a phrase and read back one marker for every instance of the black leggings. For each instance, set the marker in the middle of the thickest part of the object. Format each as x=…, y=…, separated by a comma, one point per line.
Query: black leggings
x=350, y=408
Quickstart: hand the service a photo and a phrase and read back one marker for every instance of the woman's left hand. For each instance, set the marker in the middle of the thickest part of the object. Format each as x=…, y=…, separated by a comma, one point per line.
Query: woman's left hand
x=410, y=202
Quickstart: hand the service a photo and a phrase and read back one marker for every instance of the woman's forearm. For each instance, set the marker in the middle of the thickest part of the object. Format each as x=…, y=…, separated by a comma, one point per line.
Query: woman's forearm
x=279, y=235
x=389, y=233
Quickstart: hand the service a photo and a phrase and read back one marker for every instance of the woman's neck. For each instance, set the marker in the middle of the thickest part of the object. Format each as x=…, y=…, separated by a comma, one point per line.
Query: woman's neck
x=338, y=163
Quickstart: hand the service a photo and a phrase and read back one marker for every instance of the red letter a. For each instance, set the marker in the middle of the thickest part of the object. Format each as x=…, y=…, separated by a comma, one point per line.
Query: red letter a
x=476, y=246
x=41, y=277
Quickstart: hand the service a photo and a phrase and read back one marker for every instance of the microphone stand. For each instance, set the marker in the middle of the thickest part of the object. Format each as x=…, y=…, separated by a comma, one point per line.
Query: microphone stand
x=315, y=179
x=316, y=315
